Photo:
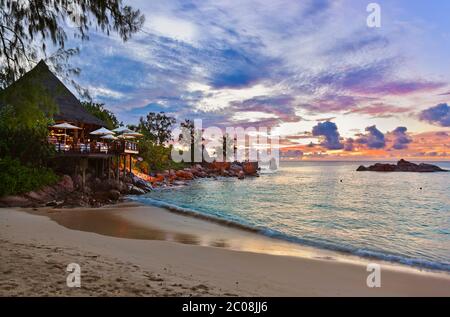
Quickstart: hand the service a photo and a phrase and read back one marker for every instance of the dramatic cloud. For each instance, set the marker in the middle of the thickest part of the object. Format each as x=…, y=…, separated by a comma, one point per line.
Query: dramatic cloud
x=374, y=139
x=285, y=65
x=438, y=115
x=348, y=145
x=328, y=130
x=401, y=139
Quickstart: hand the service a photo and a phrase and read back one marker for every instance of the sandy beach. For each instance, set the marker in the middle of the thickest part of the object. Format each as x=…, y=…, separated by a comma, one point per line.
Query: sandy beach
x=135, y=250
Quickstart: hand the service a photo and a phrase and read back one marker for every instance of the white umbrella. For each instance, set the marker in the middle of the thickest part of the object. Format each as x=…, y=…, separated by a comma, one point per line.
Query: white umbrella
x=108, y=137
x=101, y=131
x=65, y=126
x=122, y=130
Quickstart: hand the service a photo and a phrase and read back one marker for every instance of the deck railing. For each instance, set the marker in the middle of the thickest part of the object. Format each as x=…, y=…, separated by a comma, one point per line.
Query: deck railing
x=97, y=148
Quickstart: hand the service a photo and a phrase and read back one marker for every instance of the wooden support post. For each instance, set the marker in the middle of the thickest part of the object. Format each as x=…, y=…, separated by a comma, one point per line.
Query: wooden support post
x=118, y=168
x=83, y=166
x=124, y=166
x=109, y=168
x=131, y=162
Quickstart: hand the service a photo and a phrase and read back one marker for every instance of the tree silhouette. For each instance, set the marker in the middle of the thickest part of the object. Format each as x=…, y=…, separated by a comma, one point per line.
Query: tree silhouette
x=28, y=27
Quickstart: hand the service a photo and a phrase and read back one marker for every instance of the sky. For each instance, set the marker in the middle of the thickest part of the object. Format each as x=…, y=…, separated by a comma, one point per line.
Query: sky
x=311, y=70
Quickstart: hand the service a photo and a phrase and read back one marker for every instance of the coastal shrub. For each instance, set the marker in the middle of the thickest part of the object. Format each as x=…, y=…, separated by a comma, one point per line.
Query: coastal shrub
x=17, y=178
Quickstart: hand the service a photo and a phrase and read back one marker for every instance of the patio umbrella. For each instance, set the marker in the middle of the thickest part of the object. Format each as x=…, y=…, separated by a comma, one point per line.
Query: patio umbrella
x=122, y=130
x=65, y=126
x=108, y=137
x=102, y=131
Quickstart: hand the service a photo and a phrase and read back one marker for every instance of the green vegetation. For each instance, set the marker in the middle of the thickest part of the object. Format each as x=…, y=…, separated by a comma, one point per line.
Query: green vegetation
x=157, y=131
x=24, y=150
x=98, y=110
x=156, y=157
x=157, y=127
x=17, y=178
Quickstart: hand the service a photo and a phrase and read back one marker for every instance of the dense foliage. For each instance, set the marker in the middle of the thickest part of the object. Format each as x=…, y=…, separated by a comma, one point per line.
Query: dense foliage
x=24, y=119
x=24, y=150
x=17, y=178
x=98, y=110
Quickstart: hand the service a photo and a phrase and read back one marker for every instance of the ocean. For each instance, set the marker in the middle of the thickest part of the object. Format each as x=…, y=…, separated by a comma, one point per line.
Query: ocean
x=399, y=217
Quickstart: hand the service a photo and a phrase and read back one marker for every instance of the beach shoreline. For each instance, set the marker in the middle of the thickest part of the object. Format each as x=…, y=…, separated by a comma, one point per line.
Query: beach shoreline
x=177, y=255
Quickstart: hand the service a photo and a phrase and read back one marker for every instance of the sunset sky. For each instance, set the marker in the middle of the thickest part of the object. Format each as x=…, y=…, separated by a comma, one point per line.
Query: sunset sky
x=312, y=70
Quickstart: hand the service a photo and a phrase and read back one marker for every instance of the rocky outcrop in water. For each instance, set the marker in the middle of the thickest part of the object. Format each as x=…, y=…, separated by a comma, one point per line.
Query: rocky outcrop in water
x=402, y=166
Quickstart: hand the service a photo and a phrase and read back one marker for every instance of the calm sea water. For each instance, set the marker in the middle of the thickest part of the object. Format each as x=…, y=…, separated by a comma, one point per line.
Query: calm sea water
x=401, y=217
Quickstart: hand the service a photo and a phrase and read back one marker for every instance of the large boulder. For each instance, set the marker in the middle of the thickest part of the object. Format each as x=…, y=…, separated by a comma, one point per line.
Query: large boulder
x=15, y=201
x=143, y=184
x=134, y=190
x=250, y=168
x=114, y=194
x=66, y=184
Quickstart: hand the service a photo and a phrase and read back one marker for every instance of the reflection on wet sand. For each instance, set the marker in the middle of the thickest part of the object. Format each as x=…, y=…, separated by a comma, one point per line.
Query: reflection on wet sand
x=108, y=223
x=135, y=221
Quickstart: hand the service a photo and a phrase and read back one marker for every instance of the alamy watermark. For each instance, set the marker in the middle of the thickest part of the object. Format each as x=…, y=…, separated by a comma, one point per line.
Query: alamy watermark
x=374, y=17
x=74, y=277
x=194, y=143
x=374, y=278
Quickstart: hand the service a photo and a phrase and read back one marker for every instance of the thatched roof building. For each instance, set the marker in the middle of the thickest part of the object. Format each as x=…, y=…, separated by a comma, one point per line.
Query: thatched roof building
x=69, y=107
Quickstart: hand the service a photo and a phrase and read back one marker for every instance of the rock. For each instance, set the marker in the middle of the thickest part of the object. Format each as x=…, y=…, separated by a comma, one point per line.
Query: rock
x=143, y=184
x=250, y=168
x=134, y=190
x=39, y=196
x=51, y=203
x=402, y=166
x=236, y=168
x=114, y=194
x=77, y=181
x=184, y=174
x=14, y=201
x=66, y=184
x=241, y=175
x=49, y=191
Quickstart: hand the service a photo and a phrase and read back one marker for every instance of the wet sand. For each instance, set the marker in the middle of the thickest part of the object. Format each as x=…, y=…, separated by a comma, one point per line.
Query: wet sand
x=136, y=250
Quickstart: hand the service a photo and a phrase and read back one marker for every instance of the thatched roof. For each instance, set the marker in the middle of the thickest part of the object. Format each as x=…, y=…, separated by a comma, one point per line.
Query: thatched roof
x=70, y=108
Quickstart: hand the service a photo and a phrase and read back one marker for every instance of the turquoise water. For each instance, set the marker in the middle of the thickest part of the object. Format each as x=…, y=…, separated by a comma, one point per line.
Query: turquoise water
x=381, y=215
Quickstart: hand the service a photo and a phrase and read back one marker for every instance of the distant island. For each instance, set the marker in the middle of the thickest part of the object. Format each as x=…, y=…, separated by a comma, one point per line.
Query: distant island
x=402, y=166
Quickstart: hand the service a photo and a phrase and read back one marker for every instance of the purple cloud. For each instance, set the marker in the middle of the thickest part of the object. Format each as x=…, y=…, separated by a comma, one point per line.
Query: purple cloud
x=330, y=132
x=397, y=88
x=438, y=115
x=374, y=139
x=401, y=139
x=348, y=145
